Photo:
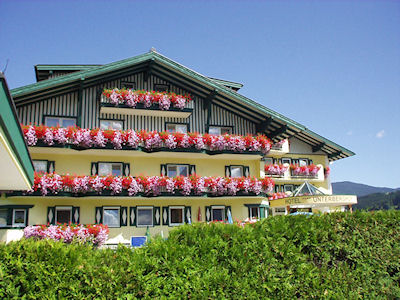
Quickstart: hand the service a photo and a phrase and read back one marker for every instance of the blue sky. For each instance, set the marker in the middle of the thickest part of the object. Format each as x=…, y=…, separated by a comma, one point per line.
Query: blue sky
x=333, y=66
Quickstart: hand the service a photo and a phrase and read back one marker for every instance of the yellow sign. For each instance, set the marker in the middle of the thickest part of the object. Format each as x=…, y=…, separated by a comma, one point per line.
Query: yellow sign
x=329, y=200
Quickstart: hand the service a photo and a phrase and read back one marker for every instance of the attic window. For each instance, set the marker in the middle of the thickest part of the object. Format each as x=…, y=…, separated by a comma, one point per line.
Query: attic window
x=161, y=87
x=128, y=85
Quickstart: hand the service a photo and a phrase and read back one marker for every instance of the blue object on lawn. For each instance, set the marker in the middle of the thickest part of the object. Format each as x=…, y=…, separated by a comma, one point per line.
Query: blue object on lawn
x=138, y=241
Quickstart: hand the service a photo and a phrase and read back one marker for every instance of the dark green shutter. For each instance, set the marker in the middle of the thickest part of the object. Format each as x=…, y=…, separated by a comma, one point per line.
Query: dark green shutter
x=262, y=212
x=226, y=212
x=126, y=171
x=98, y=216
x=156, y=215
x=192, y=169
x=249, y=210
x=51, y=215
x=9, y=216
x=165, y=215
x=163, y=170
x=188, y=214
x=75, y=214
x=227, y=171
x=94, y=168
x=123, y=216
x=208, y=213
x=132, y=216
x=51, y=166
x=246, y=171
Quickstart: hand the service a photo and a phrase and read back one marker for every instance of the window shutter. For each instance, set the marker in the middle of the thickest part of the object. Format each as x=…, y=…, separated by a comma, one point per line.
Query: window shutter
x=10, y=212
x=192, y=169
x=163, y=170
x=51, y=215
x=165, y=216
x=246, y=171
x=126, y=169
x=227, y=171
x=188, y=215
x=208, y=213
x=123, y=216
x=262, y=212
x=94, y=169
x=75, y=214
x=249, y=210
x=132, y=216
x=98, y=215
x=157, y=215
x=228, y=208
x=51, y=166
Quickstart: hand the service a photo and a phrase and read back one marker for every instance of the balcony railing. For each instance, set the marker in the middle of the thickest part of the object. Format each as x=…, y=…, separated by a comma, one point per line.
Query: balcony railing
x=81, y=139
x=147, y=186
x=310, y=171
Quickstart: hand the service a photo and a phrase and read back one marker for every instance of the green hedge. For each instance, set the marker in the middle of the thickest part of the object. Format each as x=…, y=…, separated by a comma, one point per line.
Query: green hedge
x=340, y=256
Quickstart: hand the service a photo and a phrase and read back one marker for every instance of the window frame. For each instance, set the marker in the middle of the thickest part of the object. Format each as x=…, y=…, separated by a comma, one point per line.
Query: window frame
x=112, y=208
x=220, y=127
x=144, y=208
x=177, y=123
x=110, y=162
x=40, y=160
x=124, y=83
x=10, y=215
x=268, y=161
x=7, y=210
x=108, y=119
x=169, y=215
x=14, y=210
x=164, y=85
x=242, y=168
x=251, y=213
x=286, y=158
x=75, y=118
x=186, y=165
x=218, y=207
x=288, y=185
x=61, y=207
x=303, y=159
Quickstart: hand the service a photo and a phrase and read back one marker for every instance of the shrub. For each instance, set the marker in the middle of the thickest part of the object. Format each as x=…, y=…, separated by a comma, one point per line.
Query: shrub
x=336, y=256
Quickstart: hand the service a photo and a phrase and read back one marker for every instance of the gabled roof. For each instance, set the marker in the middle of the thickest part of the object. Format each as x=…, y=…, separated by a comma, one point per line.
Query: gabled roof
x=275, y=125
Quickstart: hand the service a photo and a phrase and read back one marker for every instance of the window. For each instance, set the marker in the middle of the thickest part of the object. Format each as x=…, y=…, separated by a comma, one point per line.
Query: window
x=183, y=128
x=303, y=162
x=177, y=170
x=216, y=130
x=111, y=216
x=63, y=215
x=288, y=188
x=128, y=85
x=59, y=121
x=40, y=166
x=161, y=87
x=111, y=124
x=236, y=171
x=218, y=213
x=269, y=160
x=286, y=161
x=106, y=169
x=176, y=215
x=144, y=216
x=254, y=212
x=280, y=210
x=19, y=218
x=3, y=217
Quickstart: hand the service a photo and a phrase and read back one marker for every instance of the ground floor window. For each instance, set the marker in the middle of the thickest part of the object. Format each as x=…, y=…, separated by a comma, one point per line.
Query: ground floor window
x=14, y=215
x=144, y=216
x=176, y=215
x=218, y=213
x=63, y=214
x=254, y=212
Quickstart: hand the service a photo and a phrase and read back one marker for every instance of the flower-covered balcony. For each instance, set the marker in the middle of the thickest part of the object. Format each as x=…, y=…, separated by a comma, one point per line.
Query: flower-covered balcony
x=147, y=186
x=295, y=172
x=280, y=147
x=145, y=103
x=144, y=142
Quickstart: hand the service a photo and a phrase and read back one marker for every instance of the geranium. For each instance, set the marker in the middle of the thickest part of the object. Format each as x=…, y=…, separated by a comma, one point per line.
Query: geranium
x=132, y=97
x=95, y=234
x=275, y=169
x=327, y=171
x=150, y=185
x=306, y=171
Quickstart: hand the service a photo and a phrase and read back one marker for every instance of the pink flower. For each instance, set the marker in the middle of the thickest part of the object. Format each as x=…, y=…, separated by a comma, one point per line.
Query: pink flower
x=30, y=136
x=99, y=139
x=60, y=136
x=170, y=142
x=117, y=140
x=133, y=139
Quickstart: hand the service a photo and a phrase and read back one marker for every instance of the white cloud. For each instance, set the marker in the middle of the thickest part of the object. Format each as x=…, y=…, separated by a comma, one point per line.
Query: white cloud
x=380, y=134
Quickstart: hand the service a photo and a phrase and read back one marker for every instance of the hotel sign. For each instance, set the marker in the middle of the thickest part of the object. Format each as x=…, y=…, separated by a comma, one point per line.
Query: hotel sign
x=329, y=200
